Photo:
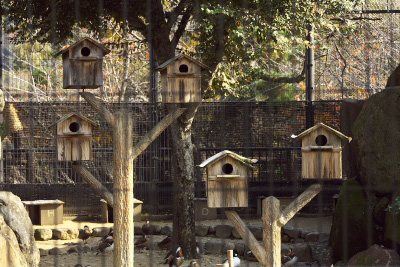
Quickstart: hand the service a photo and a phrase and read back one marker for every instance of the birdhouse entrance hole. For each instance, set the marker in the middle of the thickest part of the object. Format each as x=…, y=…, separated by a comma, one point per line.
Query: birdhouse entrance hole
x=183, y=68
x=227, y=168
x=85, y=51
x=74, y=127
x=321, y=140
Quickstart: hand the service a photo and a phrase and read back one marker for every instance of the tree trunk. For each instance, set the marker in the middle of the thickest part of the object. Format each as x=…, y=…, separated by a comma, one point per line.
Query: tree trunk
x=123, y=189
x=183, y=165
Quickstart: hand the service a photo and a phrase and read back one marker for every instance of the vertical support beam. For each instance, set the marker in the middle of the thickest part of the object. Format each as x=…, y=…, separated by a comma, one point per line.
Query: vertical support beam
x=230, y=258
x=271, y=231
x=310, y=78
x=123, y=189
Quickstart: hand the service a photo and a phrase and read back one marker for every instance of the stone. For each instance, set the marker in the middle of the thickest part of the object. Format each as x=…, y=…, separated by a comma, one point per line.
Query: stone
x=102, y=231
x=228, y=246
x=214, y=246
x=375, y=256
x=155, y=229
x=137, y=229
x=166, y=230
x=235, y=234
x=12, y=256
x=65, y=233
x=43, y=234
x=240, y=248
x=303, y=234
x=376, y=134
x=284, y=249
x=223, y=231
x=285, y=238
x=55, y=251
x=43, y=252
x=291, y=231
x=15, y=216
x=391, y=236
x=303, y=252
x=72, y=250
x=201, y=230
x=351, y=213
x=312, y=237
x=257, y=231
x=212, y=230
x=298, y=240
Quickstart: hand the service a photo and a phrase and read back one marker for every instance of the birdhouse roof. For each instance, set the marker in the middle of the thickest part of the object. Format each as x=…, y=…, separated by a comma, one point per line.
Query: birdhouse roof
x=102, y=47
x=226, y=153
x=74, y=114
x=166, y=63
x=315, y=127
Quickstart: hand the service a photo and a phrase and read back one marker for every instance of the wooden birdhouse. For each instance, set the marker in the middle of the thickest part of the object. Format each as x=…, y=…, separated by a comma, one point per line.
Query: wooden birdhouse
x=321, y=151
x=181, y=80
x=227, y=180
x=74, y=138
x=83, y=64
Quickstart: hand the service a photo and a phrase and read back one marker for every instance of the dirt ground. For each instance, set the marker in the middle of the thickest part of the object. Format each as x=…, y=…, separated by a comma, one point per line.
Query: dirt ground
x=153, y=258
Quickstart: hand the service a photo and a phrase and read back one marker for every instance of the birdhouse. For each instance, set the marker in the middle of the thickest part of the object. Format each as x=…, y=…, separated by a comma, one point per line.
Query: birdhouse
x=83, y=64
x=227, y=180
x=74, y=138
x=321, y=150
x=181, y=80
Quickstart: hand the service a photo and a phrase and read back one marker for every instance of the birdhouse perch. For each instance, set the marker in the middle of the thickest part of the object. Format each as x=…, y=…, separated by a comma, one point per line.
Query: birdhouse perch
x=83, y=64
x=227, y=179
x=321, y=152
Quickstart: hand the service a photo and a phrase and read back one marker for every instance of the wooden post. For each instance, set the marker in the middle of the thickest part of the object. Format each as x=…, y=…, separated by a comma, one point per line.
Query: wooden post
x=271, y=231
x=123, y=189
x=230, y=258
x=222, y=265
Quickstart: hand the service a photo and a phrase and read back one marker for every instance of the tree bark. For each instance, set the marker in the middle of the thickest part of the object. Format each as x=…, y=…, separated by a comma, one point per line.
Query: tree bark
x=271, y=231
x=123, y=189
x=94, y=183
x=99, y=107
x=183, y=166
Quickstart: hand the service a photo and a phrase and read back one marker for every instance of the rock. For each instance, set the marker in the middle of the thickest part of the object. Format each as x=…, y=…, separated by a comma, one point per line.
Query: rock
x=303, y=252
x=166, y=230
x=43, y=252
x=228, y=246
x=240, y=248
x=15, y=216
x=72, y=250
x=235, y=234
x=351, y=213
x=394, y=78
x=212, y=230
x=376, y=134
x=214, y=247
x=55, y=251
x=379, y=212
x=65, y=233
x=43, y=234
x=312, y=237
x=298, y=240
x=257, y=231
x=391, y=236
x=223, y=231
x=303, y=234
x=285, y=238
x=284, y=249
x=12, y=256
x=102, y=231
x=291, y=231
x=155, y=229
x=375, y=256
x=201, y=230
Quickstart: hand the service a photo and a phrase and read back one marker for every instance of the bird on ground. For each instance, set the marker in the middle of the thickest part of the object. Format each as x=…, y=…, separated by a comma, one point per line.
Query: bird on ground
x=147, y=229
x=142, y=243
x=194, y=263
x=85, y=233
x=174, y=259
x=166, y=243
x=236, y=260
x=107, y=245
x=289, y=259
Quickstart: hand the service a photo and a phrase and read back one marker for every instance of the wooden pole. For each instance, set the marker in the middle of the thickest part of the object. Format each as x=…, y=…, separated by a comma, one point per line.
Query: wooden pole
x=222, y=265
x=271, y=231
x=230, y=257
x=247, y=236
x=94, y=183
x=123, y=189
x=99, y=107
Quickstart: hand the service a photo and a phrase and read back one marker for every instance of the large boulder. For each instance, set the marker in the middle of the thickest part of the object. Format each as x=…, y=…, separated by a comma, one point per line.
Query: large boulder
x=16, y=217
x=377, y=136
x=375, y=256
x=392, y=225
x=12, y=256
x=350, y=222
